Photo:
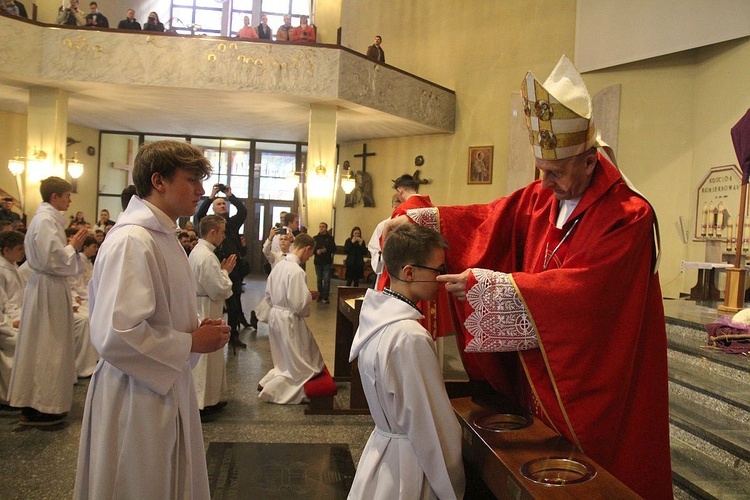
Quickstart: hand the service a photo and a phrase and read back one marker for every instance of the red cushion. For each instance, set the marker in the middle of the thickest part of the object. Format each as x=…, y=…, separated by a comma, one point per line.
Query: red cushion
x=320, y=385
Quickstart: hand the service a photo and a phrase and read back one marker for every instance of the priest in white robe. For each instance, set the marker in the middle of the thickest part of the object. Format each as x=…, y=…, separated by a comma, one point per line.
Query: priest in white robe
x=44, y=366
x=415, y=449
x=141, y=435
x=296, y=356
x=213, y=287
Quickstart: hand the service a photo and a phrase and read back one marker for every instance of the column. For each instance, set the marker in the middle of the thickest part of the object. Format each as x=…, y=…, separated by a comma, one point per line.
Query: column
x=321, y=171
x=47, y=129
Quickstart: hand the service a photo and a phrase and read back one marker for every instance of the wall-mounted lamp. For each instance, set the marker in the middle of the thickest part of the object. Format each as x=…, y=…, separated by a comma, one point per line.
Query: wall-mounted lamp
x=75, y=168
x=16, y=164
x=38, y=160
x=348, y=183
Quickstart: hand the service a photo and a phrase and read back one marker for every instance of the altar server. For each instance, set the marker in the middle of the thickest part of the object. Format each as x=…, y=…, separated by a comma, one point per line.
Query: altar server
x=296, y=356
x=415, y=449
x=213, y=287
x=141, y=435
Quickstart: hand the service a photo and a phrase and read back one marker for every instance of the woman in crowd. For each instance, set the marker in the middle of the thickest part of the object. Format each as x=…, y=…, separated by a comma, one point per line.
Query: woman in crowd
x=355, y=250
x=153, y=23
x=78, y=221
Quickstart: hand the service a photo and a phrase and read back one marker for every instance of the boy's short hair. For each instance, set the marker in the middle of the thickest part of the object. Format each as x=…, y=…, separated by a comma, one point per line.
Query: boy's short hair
x=53, y=185
x=410, y=244
x=165, y=157
x=90, y=240
x=125, y=196
x=183, y=234
x=303, y=240
x=289, y=218
x=208, y=223
x=406, y=181
x=10, y=239
x=70, y=232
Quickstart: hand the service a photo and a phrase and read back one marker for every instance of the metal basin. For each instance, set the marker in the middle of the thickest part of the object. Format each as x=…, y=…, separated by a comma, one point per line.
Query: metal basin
x=557, y=471
x=502, y=422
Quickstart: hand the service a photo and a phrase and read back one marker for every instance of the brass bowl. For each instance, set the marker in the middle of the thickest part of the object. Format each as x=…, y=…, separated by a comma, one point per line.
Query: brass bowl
x=557, y=471
x=502, y=422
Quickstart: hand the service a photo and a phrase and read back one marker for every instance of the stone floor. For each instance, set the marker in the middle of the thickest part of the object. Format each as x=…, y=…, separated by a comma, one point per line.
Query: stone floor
x=40, y=464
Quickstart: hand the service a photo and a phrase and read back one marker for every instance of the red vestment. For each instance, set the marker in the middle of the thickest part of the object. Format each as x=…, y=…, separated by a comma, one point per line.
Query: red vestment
x=599, y=376
x=438, y=326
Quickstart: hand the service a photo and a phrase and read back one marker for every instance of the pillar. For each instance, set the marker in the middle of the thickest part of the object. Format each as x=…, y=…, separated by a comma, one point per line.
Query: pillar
x=47, y=129
x=321, y=172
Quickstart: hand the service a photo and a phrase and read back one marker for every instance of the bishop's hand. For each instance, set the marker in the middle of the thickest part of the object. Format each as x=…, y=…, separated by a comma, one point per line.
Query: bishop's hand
x=455, y=283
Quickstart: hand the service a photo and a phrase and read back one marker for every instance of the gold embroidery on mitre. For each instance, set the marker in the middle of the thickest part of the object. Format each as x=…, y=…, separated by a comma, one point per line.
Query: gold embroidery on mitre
x=555, y=131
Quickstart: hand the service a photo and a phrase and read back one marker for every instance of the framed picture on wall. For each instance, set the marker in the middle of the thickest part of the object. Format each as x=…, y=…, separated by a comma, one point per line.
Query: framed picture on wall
x=480, y=165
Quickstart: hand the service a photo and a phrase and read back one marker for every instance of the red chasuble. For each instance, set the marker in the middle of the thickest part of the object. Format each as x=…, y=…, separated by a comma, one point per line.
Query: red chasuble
x=438, y=326
x=599, y=374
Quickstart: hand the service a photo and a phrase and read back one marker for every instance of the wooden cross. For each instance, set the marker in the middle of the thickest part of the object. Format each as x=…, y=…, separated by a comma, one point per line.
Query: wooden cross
x=364, y=156
x=126, y=166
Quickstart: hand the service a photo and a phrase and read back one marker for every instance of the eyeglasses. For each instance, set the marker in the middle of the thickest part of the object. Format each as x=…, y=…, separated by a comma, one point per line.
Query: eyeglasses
x=440, y=270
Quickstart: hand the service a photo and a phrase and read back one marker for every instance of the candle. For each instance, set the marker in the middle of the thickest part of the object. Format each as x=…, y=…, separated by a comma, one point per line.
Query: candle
x=730, y=234
x=705, y=220
x=720, y=218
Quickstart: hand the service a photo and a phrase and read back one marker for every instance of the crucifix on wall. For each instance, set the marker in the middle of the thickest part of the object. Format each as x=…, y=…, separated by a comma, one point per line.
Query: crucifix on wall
x=126, y=166
x=363, y=183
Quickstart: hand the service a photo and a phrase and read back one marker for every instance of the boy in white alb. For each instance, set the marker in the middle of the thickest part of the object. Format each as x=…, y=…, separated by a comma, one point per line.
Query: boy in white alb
x=296, y=356
x=141, y=433
x=11, y=248
x=415, y=449
x=86, y=355
x=213, y=287
x=260, y=313
x=44, y=366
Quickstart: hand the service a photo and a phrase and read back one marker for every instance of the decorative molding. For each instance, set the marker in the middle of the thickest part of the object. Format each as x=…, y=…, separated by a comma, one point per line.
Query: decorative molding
x=53, y=55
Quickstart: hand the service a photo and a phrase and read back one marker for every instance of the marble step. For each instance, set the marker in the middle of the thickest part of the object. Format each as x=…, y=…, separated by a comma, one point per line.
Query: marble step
x=690, y=341
x=704, y=477
x=720, y=435
x=724, y=385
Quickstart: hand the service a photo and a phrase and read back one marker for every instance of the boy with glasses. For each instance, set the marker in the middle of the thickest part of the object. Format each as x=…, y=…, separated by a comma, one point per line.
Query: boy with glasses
x=402, y=380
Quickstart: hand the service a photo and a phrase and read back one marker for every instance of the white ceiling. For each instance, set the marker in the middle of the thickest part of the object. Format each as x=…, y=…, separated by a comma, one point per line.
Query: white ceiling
x=227, y=114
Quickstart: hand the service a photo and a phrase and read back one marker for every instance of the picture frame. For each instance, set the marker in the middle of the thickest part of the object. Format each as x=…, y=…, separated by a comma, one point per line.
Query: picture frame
x=480, y=165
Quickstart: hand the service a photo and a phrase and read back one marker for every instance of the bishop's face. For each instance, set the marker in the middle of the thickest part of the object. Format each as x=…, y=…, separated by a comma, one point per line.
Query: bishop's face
x=570, y=177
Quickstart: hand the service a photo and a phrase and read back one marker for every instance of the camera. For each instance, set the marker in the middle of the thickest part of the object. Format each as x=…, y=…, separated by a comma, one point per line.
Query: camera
x=222, y=187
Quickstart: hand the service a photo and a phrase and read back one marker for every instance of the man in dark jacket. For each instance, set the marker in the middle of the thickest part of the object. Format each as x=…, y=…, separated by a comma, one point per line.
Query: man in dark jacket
x=129, y=23
x=232, y=244
x=325, y=247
